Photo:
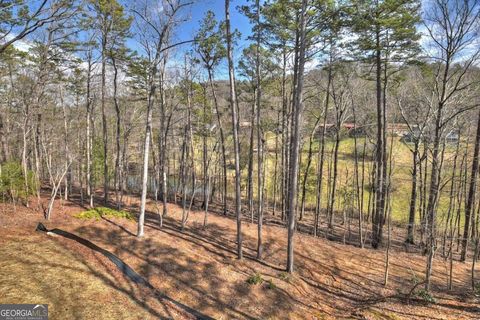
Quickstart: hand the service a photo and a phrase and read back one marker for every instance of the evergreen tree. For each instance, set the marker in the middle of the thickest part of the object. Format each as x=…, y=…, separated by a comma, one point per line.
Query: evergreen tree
x=386, y=35
x=211, y=51
x=112, y=24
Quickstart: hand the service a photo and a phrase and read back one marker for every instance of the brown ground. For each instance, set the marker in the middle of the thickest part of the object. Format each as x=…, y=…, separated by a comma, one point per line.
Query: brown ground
x=198, y=268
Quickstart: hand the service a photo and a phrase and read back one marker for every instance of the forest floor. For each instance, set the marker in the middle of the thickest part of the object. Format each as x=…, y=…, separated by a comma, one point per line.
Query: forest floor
x=197, y=269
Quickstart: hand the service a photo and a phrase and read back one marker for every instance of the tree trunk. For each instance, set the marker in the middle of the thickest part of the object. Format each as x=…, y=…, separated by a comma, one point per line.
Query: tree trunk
x=222, y=140
x=285, y=135
x=118, y=160
x=307, y=169
x=432, y=200
x=260, y=139
x=295, y=136
x=3, y=141
x=162, y=137
x=89, y=121
x=68, y=176
x=104, y=119
x=379, y=213
x=236, y=145
x=146, y=152
x=413, y=198
x=250, y=156
x=275, y=171
x=474, y=260
x=205, y=155
x=435, y=176
x=334, y=178
x=471, y=194
x=183, y=175
x=358, y=194
x=322, y=154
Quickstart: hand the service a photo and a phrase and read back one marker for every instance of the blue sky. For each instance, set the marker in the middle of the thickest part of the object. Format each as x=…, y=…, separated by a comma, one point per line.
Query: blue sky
x=195, y=13
x=200, y=7
x=186, y=31
x=238, y=21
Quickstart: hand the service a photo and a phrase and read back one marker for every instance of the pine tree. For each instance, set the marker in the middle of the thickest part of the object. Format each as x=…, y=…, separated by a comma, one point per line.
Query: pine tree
x=19, y=18
x=110, y=20
x=386, y=34
x=211, y=51
x=236, y=143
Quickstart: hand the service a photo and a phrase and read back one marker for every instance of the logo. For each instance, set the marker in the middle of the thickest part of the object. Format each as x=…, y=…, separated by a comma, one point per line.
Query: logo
x=23, y=311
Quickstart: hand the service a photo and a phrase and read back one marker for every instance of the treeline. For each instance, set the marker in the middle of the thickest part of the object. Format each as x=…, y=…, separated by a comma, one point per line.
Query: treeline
x=83, y=107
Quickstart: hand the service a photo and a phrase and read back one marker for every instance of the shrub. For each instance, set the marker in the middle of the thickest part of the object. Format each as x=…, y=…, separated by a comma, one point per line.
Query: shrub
x=425, y=296
x=98, y=213
x=13, y=184
x=255, y=279
x=270, y=284
x=476, y=291
x=284, y=276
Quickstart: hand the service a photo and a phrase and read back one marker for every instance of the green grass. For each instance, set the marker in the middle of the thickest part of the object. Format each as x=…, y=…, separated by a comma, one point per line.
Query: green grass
x=401, y=174
x=99, y=212
x=401, y=177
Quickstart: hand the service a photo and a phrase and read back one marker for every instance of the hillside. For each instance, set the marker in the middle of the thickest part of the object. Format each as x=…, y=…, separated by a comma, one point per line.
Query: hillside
x=197, y=269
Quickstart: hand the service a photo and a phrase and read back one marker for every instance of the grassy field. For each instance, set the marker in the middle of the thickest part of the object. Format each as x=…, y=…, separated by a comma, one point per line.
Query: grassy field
x=400, y=176
x=401, y=180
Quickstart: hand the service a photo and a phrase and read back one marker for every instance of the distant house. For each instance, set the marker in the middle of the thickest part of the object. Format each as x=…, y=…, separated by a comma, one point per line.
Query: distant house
x=355, y=130
x=452, y=137
x=351, y=129
x=397, y=129
x=413, y=135
x=330, y=129
x=245, y=124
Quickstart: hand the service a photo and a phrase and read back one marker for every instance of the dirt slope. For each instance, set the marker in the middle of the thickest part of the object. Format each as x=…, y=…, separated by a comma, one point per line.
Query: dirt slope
x=198, y=268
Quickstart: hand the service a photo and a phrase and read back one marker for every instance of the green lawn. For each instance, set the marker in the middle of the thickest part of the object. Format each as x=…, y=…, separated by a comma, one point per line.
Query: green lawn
x=401, y=173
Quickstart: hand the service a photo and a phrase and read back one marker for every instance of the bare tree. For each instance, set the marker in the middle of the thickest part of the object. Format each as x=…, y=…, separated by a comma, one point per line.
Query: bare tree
x=452, y=29
x=154, y=32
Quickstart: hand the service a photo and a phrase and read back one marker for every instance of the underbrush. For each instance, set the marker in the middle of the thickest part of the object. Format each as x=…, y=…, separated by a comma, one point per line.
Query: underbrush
x=476, y=291
x=255, y=279
x=425, y=296
x=14, y=185
x=98, y=213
